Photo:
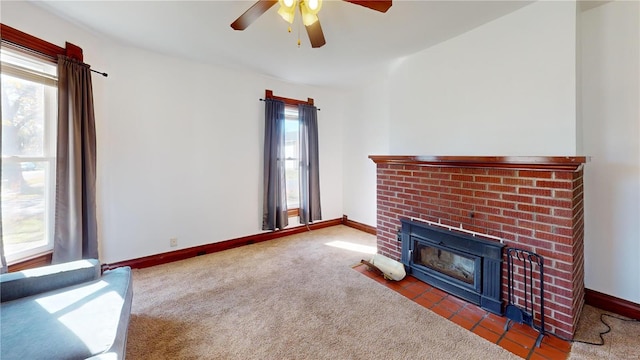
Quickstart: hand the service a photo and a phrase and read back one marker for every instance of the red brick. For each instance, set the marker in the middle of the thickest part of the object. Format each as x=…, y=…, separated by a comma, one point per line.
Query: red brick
x=517, y=230
x=518, y=214
x=412, y=191
x=566, y=240
x=539, y=244
x=549, y=255
x=554, y=184
x=487, y=210
x=564, y=175
x=562, y=248
x=534, y=191
x=462, y=205
x=486, y=194
x=553, y=202
x=476, y=171
x=502, y=188
x=534, y=209
x=535, y=225
x=451, y=170
x=518, y=198
x=535, y=174
x=501, y=219
x=501, y=204
x=561, y=274
x=566, y=302
x=474, y=186
x=517, y=181
x=451, y=184
x=435, y=175
x=502, y=172
x=563, y=231
x=439, y=189
x=564, y=266
x=563, y=194
x=563, y=213
x=461, y=191
x=425, y=196
x=412, y=167
x=554, y=220
x=428, y=181
x=487, y=179
x=482, y=226
x=473, y=200
x=412, y=179
x=450, y=197
x=461, y=177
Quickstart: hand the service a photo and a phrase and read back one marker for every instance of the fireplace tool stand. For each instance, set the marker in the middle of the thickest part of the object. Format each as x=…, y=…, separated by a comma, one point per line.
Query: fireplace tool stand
x=524, y=261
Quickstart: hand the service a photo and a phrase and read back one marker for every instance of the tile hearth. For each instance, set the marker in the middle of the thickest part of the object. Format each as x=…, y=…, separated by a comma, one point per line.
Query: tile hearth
x=519, y=339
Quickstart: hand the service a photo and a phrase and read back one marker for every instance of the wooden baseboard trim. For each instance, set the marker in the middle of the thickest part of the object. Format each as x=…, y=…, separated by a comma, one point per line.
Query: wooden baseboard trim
x=612, y=304
x=182, y=254
x=360, y=226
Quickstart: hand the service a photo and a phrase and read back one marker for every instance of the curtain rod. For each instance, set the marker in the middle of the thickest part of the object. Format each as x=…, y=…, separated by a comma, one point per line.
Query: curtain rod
x=98, y=72
x=312, y=105
x=43, y=55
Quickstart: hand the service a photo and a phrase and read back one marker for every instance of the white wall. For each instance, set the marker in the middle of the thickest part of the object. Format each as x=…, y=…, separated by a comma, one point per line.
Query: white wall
x=365, y=133
x=610, y=48
x=504, y=88
x=180, y=143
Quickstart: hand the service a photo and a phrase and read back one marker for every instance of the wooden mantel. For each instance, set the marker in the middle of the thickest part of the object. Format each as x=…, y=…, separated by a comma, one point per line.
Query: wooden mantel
x=559, y=163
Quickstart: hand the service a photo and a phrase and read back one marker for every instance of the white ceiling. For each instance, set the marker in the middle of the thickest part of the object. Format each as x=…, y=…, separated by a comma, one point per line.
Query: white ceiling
x=358, y=39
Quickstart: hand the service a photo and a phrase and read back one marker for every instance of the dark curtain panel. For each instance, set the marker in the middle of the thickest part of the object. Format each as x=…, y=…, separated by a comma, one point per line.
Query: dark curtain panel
x=274, y=215
x=75, y=234
x=309, y=165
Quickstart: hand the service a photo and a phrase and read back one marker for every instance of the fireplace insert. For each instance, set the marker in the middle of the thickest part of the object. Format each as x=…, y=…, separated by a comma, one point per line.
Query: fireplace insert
x=466, y=266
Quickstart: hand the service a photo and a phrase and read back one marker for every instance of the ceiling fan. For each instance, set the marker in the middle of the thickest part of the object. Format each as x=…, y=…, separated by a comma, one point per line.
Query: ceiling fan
x=309, y=11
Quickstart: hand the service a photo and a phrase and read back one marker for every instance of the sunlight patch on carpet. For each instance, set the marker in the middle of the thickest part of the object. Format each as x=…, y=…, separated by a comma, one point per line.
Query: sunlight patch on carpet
x=365, y=249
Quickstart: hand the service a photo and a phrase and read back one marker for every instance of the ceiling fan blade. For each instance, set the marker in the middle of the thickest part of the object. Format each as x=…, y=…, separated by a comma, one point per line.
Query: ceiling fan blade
x=316, y=36
x=380, y=5
x=254, y=12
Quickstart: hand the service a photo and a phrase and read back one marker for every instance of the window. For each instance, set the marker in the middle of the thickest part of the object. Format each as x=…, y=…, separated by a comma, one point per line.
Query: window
x=292, y=158
x=29, y=113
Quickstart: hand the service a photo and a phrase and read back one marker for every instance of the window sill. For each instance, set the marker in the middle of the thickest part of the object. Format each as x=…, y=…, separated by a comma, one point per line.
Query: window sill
x=293, y=212
x=41, y=259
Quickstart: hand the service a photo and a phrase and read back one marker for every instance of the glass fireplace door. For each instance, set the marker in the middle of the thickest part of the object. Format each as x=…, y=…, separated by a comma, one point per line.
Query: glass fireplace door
x=462, y=267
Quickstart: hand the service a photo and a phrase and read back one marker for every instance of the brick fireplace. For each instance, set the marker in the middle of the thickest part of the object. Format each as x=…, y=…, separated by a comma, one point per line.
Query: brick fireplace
x=533, y=203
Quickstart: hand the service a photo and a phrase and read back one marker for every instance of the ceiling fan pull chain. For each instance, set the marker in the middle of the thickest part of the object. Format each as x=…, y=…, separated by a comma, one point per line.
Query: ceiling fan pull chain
x=299, y=34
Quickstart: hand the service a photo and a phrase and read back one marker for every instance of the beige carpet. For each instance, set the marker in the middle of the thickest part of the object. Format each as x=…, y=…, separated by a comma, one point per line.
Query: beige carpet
x=623, y=342
x=298, y=298
x=291, y=298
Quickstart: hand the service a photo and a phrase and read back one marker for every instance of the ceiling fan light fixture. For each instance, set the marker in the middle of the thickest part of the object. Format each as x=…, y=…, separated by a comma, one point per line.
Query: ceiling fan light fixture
x=309, y=10
x=287, y=10
x=313, y=5
x=287, y=15
x=308, y=19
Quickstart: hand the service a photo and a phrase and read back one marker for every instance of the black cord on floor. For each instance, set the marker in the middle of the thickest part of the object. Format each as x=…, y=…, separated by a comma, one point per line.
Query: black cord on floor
x=601, y=334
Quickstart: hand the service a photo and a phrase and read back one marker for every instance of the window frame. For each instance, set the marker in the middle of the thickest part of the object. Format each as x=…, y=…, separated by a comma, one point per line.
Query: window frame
x=49, y=88
x=289, y=102
x=20, y=41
